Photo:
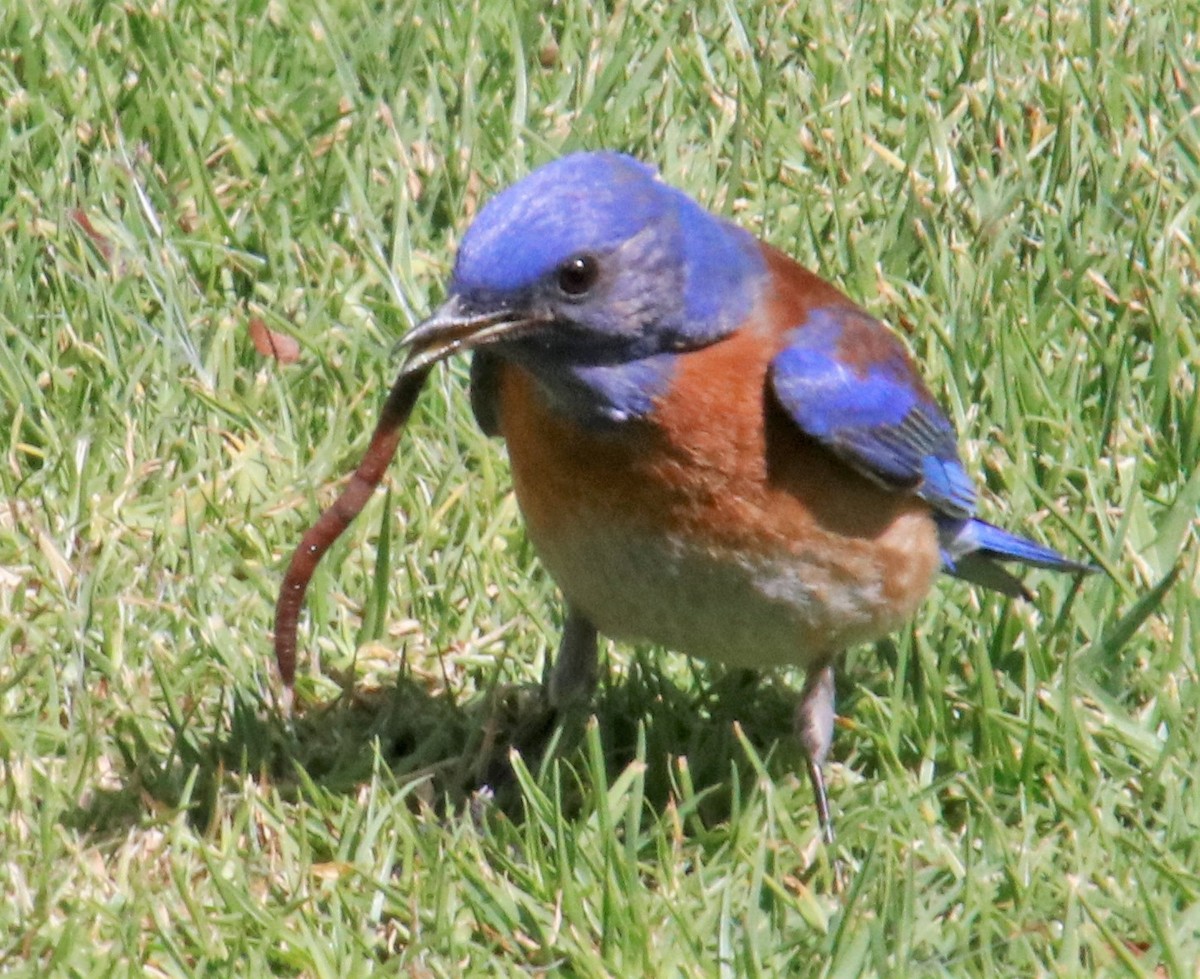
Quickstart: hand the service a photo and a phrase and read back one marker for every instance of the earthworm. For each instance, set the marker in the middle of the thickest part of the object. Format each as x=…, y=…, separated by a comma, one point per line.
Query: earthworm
x=337, y=518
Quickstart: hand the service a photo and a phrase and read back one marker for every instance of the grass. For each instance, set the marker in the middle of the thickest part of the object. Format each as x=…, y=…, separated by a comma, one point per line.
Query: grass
x=1015, y=187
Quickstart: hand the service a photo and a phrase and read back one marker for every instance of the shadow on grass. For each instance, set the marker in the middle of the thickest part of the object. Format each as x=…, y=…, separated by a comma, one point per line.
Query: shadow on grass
x=455, y=749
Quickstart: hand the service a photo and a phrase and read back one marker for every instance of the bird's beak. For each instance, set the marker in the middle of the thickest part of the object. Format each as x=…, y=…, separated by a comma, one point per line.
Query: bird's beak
x=455, y=327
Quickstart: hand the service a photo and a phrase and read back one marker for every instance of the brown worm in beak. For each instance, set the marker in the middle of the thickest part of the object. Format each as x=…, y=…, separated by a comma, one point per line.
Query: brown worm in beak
x=337, y=518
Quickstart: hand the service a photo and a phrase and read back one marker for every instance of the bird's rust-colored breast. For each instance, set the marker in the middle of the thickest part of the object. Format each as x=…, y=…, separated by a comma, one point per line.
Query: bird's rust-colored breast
x=716, y=526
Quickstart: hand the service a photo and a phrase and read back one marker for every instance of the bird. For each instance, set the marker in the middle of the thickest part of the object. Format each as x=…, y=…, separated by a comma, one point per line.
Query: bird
x=713, y=449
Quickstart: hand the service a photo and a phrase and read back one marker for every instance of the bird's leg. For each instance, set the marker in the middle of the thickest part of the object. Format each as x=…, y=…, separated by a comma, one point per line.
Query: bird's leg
x=570, y=684
x=814, y=728
x=575, y=671
x=567, y=689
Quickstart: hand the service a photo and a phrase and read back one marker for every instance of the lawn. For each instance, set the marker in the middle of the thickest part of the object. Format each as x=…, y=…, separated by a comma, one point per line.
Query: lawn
x=1013, y=187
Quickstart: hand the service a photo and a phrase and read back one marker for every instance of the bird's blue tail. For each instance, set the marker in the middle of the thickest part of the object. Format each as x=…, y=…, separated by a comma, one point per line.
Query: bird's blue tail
x=972, y=549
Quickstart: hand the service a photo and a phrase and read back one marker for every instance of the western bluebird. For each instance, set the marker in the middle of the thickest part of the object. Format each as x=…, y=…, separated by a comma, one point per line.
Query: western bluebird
x=714, y=450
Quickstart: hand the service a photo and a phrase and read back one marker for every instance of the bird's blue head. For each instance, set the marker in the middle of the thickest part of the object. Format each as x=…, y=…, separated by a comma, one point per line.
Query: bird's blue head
x=592, y=260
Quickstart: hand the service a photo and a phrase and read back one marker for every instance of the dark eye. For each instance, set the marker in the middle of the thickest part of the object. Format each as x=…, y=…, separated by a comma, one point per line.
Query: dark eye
x=578, y=274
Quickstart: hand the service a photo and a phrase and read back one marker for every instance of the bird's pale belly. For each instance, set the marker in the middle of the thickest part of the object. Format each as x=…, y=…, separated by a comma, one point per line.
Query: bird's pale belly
x=740, y=608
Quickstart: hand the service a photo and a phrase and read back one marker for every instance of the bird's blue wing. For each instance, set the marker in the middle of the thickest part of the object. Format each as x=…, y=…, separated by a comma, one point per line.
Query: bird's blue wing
x=847, y=382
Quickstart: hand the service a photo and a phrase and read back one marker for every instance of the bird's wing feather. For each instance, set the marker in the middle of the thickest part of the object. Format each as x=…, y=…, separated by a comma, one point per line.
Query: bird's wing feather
x=847, y=382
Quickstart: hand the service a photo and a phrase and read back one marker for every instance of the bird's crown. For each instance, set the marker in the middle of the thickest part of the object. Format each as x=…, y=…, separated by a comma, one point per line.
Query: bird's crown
x=659, y=261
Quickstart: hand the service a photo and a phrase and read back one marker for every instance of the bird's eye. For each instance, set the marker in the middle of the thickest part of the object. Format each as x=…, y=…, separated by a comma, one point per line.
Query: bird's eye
x=578, y=274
